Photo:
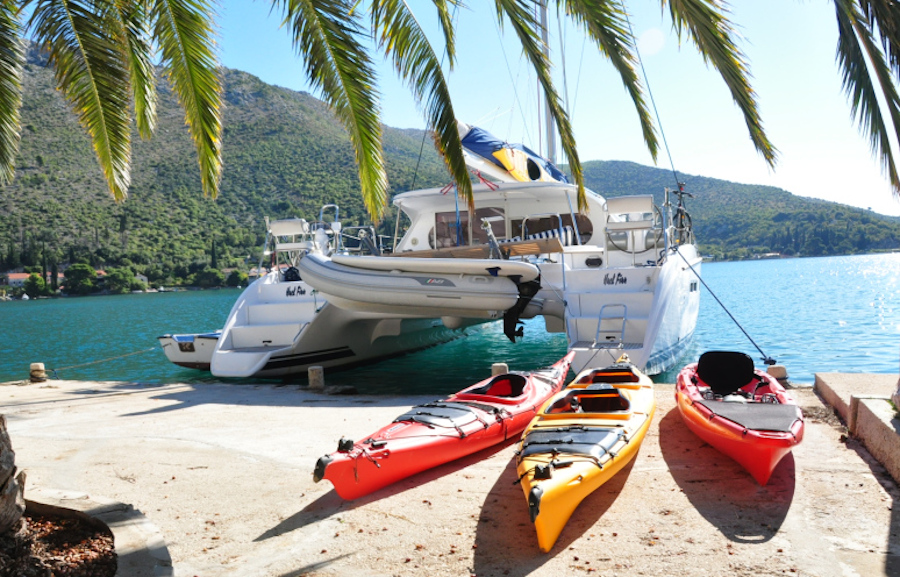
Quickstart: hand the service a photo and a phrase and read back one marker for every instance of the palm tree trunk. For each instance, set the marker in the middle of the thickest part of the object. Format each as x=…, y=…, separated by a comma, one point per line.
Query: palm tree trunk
x=12, y=486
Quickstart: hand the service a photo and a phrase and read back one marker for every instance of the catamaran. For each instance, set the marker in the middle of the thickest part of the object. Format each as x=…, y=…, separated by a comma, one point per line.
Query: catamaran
x=621, y=278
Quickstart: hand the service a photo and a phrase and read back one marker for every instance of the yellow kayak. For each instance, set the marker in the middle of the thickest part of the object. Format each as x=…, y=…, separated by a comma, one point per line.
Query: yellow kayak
x=580, y=438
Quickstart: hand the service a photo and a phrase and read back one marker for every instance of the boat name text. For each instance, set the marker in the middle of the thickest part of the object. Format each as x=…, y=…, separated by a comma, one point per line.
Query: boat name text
x=615, y=279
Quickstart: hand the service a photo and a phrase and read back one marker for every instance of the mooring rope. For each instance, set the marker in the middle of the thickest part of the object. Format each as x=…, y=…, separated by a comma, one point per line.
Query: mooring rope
x=54, y=371
x=765, y=358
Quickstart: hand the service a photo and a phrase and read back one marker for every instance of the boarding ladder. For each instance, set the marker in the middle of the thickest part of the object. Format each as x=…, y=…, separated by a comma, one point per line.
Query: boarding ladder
x=607, y=337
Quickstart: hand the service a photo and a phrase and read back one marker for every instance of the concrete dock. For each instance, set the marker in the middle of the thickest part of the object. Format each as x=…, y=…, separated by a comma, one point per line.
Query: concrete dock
x=224, y=473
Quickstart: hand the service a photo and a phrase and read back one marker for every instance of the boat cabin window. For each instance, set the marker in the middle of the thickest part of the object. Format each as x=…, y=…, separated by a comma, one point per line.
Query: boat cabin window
x=447, y=233
x=536, y=227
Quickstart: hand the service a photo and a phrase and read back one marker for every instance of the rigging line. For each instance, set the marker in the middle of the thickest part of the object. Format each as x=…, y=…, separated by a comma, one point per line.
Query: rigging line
x=560, y=24
x=514, y=83
x=54, y=371
x=766, y=358
x=425, y=132
x=578, y=77
x=650, y=93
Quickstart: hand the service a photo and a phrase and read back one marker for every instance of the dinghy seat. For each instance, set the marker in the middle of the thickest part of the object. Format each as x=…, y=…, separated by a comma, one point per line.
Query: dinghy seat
x=725, y=371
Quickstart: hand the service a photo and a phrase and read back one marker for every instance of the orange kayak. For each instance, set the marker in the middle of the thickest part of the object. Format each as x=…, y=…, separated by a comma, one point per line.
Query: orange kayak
x=478, y=417
x=740, y=410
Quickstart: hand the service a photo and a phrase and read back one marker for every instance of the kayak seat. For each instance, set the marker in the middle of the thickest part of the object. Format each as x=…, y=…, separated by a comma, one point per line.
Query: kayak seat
x=610, y=401
x=611, y=374
x=505, y=385
x=725, y=371
x=604, y=404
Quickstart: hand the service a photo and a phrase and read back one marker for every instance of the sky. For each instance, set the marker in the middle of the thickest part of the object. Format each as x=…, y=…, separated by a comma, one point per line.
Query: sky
x=790, y=45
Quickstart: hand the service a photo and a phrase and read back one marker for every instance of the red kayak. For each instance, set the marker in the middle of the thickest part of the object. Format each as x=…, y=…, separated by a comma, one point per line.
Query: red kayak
x=483, y=415
x=740, y=410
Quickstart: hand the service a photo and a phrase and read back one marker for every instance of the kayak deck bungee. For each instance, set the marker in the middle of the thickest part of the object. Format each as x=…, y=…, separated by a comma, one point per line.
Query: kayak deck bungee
x=483, y=415
x=580, y=439
x=743, y=412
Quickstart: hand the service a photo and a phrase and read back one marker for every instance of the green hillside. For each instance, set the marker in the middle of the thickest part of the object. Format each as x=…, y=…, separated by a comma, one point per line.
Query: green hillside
x=286, y=155
x=739, y=220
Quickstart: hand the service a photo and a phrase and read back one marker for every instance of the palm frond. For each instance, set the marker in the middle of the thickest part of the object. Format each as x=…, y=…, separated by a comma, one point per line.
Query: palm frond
x=92, y=71
x=605, y=22
x=525, y=26
x=712, y=33
x=326, y=34
x=443, y=8
x=134, y=24
x=883, y=17
x=185, y=32
x=12, y=60
x=855, y=42
x=400, y=35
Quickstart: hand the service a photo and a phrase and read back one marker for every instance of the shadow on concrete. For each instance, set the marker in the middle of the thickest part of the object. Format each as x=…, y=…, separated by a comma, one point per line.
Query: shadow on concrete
x=179, y=397
x=331, y=503
x=505, y=541
x=721, y=490
x=313, y=567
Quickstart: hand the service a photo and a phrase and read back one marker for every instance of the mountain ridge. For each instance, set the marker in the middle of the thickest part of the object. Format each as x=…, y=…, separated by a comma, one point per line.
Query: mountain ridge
x=286, y=155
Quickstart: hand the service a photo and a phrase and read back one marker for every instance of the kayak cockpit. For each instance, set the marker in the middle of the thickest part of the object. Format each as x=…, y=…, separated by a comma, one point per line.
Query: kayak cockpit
x=508, y=388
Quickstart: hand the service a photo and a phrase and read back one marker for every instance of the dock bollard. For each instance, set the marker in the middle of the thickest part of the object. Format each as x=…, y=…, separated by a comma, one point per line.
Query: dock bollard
x=499, y=369
x=779, y=372
x=38, y=374
x=316, y=376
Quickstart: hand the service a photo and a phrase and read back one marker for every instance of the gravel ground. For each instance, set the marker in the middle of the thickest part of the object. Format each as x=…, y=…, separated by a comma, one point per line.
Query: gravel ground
x=55, y=546
x=225, y=472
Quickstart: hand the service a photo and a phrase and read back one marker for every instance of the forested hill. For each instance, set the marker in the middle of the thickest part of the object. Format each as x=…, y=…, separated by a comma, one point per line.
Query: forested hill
x=734, y=220
x=285, y=155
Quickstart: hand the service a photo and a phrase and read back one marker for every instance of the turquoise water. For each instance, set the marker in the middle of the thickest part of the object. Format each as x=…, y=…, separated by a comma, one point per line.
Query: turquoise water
x=834, y=314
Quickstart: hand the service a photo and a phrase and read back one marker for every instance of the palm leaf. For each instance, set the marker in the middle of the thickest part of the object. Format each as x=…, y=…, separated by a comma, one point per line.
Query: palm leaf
x=883, y=17
x=12, y=60
x=92, y=71
x=184, y=31
x=327, y=33
x=447, y=28
x=855, y=42
x=711, y=32
x=523, y=22
x=605, y=22
x=133, y=21
x=400, y=35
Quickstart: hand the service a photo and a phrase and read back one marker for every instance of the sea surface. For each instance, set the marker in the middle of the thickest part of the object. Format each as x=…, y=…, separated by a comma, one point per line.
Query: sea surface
x=832, y=314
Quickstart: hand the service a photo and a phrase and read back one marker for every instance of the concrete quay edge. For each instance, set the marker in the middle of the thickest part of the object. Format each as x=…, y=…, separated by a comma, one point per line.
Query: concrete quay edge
x=863, y=401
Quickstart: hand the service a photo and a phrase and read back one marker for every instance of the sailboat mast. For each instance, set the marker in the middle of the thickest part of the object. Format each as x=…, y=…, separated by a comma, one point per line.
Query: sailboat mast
x=549, y=125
